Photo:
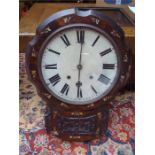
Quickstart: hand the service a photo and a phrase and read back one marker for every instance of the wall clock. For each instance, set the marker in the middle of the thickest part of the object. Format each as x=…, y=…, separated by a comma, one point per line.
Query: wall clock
x=78, y=61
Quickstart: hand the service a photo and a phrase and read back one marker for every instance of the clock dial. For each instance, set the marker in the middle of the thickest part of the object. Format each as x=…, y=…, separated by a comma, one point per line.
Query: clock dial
x=79, y=65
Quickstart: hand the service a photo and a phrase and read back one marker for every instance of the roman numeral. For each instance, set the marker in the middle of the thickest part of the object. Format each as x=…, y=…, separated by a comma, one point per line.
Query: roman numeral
x=65, y=89
x=95, y=40
x=65, y=40
x=79, y=92
x=105, y=52
x=94, y=90
x=80, y=36
x=108, y=66
x=102, y=78
x=52, y=66
x=55, y=79
x=54, y=51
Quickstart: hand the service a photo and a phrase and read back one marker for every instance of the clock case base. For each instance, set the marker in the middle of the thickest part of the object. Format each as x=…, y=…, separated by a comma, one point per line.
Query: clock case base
x=77, y=125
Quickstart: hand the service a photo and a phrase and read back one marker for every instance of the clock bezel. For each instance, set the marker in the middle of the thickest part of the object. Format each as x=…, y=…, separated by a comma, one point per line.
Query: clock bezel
x=72, y=26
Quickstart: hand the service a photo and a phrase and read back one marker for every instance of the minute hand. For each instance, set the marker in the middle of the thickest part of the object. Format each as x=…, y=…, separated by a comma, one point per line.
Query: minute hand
x=79, y=65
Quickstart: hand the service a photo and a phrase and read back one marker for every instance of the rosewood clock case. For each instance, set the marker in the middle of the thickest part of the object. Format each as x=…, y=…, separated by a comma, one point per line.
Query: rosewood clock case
x=77, y=122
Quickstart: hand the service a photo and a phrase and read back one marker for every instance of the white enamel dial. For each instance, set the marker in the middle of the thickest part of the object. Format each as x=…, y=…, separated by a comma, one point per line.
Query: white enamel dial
x=79, y=65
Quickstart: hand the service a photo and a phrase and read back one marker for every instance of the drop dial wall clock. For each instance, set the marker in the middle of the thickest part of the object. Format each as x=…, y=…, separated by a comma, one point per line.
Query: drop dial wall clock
x=78, y=61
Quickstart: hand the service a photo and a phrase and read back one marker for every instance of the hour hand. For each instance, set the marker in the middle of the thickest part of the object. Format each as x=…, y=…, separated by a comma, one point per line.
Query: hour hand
x=79, y=90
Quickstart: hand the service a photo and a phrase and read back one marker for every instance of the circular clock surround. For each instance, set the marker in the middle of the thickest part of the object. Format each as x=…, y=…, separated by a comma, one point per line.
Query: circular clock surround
x=66, y=19
x=63, y=97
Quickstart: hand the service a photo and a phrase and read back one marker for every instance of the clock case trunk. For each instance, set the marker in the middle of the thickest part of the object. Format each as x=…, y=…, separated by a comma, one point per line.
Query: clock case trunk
x=77, y=122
